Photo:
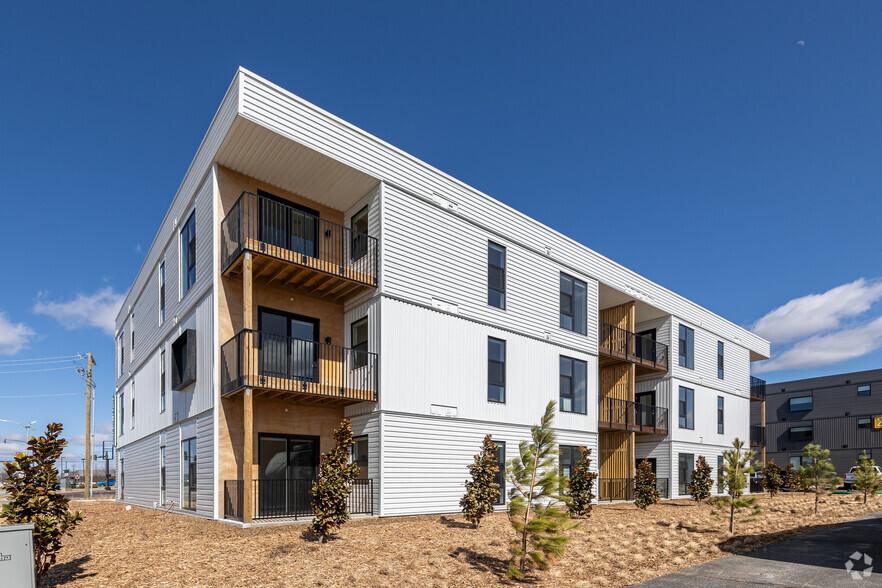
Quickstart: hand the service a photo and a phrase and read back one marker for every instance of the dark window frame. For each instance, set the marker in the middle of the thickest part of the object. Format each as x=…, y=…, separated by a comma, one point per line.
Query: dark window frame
x=491, y=268
x=184, y=360
x=720, y=478
x=132, y=425
x=572, y=452
x=791, y=399
x=359, y=350
x=188, y=254
x=162, y=292
x=358, y=247
x=499, y=478
x=868, y=424
x=354, y=457
x=132, y=318
x=490, y=381
x=192, y=478
x=570, y=308
x=682, y=476
x=686, y=347
x=864, y=390
x=163, y=464
x=720, y=360
x=721, y=415
x=162, y=384
x=806, y=433
x=686, y=408
x=572, y=386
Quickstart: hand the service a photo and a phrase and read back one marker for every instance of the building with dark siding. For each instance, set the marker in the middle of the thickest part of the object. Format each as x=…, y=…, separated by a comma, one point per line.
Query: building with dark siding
x=836, y=412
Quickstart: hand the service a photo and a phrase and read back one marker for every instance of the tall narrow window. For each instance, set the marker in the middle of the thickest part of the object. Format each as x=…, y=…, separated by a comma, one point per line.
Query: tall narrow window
x=162, y=381
x=122, y=412
x=361, y=455
x=122, y=478
x=573, y=309
x=133, y=404
x=687, y=408
x=720, y=359
x=359, y=228
x=495, y=275
x=720, y=415
x=687, y=465
x=161, y=292
x=188, y=474
x=499, y=477
x=573, y=379
x=359, y=339
x=133, y=334
x=495, y=370
x=687, y=340
x=188, y=254
x=721, y=484
x=569, y=456
x=162, y=475
x=122, y=355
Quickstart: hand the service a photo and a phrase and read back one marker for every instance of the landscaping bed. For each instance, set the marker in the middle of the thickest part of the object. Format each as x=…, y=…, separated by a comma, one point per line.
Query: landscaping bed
x=618, y=546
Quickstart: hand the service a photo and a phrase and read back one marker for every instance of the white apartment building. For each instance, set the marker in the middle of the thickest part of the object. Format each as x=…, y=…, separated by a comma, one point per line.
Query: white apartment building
x=308, y=271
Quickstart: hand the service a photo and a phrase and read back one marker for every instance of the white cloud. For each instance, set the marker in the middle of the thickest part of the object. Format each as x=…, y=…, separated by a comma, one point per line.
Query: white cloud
x=818, y=313
x=9, y=448
x=801, y=43
x=13, y=336
x=827, y=349
x=86, y=310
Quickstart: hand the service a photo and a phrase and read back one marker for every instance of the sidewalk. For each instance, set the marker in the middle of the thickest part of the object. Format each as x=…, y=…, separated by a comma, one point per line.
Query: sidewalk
x=817, y=559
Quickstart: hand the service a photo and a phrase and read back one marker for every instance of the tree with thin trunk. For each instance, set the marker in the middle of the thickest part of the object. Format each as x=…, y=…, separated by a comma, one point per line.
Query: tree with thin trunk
x=737, y=465
x=791, y=478
x=331, y=491
x=866, y=478
x=482, y=491
x=33, y=497
x=772, y=478
x=581, y=486
x=645, y=489
x=534, y=511
x=817, y=471
x=701, y=483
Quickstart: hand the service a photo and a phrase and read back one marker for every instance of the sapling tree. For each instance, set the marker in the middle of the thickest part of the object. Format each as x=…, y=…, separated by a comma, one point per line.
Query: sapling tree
x=737, y=465
x=330, y=493
x=645, y=490
x=32, y=492
x=772, y=478
x=581, y=486
x=482, y=492
x=866, y=478
x=700, y=485
x=791, y=478
x=817, y=471
x=534, y=511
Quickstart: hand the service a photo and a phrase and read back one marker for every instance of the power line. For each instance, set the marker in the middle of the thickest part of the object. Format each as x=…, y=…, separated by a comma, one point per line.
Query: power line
x=77, y=356
x=44, y=395
x=42, y=370
x=29, y=362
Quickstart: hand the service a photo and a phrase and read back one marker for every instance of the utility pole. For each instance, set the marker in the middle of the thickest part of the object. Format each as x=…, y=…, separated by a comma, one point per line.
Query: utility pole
x=87, y=474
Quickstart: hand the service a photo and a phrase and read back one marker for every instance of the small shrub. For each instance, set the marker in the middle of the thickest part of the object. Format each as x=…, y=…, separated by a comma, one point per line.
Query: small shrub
x=581, y=486
x=737, y=465
x=772, y=478
x=817, y=471
x=700, y=485
x=645, y=490
x=866, y=479
x=482, y=492
x=791, y=479
x=331, y=491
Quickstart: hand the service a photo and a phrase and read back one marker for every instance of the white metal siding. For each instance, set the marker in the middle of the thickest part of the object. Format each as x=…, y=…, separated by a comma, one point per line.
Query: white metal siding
x=736, y=371
x=142, y=471
x=370, y=425
x=205, y=465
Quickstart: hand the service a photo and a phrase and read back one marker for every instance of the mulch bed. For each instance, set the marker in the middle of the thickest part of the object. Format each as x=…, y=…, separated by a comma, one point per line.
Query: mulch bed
x=618, y=546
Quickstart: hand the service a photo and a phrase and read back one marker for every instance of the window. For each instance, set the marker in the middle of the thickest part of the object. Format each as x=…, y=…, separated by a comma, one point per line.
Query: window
x=495, y=370
x=865, y=423
x=162, y=381
x=359, y=229
x=720, y=359
x=122, y=412
x=133, y=334
x=122, y=356
x=188, y=474
x=499, y=477
x=573, y=306
x=184, y=360
x=573, y=378
x=721, y=483
x=687, y=341
x=188, y=254
x=796, y=460
x=360, y=455
x=122, y=478
x=720, y=415
x=161, y=292
x=162, y=475
x=687, y=408
x=864, y=390
x=867, y=451
x=569, y=456
x=495, y=275
x=133, y=405
x=802, y=433
x=687, y=464
x=358, y=335
x=800, y=403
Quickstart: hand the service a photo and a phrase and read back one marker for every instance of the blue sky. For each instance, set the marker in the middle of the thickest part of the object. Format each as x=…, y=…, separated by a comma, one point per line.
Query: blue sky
x=741, y=141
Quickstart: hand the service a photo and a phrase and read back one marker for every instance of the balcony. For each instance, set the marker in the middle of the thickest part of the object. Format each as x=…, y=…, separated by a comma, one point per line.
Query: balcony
x=757, y=436
x=289, y=498
x=625, y=415
x=285, y=368
x=623, y=488
x=295, y=249
x=616, y=345
x=757, y=389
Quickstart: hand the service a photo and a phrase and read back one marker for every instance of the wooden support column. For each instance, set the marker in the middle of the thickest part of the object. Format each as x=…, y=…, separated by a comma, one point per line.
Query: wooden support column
x=247, y=398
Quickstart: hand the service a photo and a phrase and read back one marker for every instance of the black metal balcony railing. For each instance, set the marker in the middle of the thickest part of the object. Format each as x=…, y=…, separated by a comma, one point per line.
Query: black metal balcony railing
x=622, y=344
x=261, y=360
x=289, y=498
x=757, y=388
x=632, y=416
x=757, y=435
x=267, y=226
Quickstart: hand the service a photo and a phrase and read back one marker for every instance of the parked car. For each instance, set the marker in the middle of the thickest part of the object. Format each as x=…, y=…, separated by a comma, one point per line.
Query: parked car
x=850, y=477
x=105, y=483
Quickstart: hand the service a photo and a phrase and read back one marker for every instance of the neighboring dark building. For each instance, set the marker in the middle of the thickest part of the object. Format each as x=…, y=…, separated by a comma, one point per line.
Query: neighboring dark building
x=835, y=412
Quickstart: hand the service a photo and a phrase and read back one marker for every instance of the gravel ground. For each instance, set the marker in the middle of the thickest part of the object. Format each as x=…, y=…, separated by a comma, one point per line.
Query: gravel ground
x=618, y=546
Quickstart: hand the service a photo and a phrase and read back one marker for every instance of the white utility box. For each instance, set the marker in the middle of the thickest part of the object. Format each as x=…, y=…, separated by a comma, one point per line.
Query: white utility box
x=17, y=555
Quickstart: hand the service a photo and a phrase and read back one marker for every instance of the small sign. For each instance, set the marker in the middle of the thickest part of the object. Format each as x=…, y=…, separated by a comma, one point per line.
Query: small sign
x=877, y=421
x=76, y=476
x=440, y=410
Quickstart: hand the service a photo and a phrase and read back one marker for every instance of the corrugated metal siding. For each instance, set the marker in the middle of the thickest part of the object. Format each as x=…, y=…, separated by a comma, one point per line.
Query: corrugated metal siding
x=290, y=116
x=425, y=459
x=370, y=425
x=736, y=367
x=142, y=471
x=710, y=453
x=736, y=422
x=205, y=465
x=371, y=310
x=658, y=450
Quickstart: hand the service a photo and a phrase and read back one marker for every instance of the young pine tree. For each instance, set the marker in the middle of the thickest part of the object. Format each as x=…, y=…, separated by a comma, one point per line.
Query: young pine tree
x=791, y=478
x=736, y=467
x=331, y=491
x=645, y=490
x=581, y=486
x=534, y=512
x=817, y=471
x=772, y=478
x=482, y=492
x=33, y=497
x=701, y=483
x=866, y=478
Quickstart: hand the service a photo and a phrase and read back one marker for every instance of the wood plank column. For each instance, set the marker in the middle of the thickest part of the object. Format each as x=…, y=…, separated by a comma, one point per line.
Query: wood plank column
x=247, y=398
